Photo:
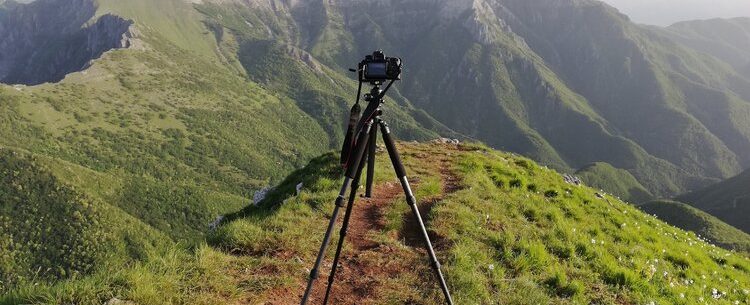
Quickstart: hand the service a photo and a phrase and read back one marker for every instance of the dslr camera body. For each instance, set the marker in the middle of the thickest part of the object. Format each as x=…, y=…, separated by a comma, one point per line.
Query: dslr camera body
x=378, y=68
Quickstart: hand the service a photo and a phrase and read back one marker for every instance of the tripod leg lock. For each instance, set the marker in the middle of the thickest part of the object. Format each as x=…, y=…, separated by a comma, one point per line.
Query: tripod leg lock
x=314, y=274
x=340, y=201
x=410, y=199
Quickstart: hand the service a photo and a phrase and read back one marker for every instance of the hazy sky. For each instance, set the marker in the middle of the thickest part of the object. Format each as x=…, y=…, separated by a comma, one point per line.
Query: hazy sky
x=666, y=12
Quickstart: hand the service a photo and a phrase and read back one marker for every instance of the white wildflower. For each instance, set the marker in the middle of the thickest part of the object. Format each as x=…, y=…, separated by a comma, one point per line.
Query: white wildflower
x=715, y=293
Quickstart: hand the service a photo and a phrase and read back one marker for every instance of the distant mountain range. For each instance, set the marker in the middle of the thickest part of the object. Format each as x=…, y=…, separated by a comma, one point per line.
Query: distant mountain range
x=566, y=82
x=725, y=39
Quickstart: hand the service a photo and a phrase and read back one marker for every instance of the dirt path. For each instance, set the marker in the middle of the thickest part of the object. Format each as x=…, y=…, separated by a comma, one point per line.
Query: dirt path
x=368, y=264
x=411, y=233
x=358, y=275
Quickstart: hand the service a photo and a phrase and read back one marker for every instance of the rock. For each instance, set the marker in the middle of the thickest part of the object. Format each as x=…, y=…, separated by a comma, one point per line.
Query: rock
x=116, y=301
x=380, y=149
x=215, y=224
x=80, y=36
x=447, y=141
x=570, y=179
x=299, y=187
x=260, y=195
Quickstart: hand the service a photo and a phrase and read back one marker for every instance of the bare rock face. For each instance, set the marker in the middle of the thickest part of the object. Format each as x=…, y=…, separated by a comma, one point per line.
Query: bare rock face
x=47, y=39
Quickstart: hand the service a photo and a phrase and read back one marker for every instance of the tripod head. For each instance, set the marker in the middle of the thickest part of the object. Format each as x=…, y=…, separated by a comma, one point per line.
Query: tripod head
x=375, y=70
x=374, y=100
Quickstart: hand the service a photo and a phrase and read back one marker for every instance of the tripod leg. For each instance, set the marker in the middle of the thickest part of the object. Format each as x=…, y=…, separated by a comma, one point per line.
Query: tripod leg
x=401, y=173
x=373, y=146
x=345, y=227
x=353, y=166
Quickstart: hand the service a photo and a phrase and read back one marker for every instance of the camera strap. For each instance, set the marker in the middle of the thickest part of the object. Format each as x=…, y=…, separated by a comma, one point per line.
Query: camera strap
x=354, y=116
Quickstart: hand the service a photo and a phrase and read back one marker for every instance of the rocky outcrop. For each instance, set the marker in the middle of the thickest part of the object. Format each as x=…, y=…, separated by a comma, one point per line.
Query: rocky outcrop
x=45, y=40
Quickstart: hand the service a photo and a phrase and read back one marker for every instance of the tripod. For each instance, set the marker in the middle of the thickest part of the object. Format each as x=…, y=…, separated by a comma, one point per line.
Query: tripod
x=364, y=147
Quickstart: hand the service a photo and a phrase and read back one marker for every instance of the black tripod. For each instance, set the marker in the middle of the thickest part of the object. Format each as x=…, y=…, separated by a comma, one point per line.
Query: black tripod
x=364, y=146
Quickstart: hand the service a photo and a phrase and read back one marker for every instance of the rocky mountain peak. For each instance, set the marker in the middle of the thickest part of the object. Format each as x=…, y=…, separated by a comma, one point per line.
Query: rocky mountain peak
x=47, y=39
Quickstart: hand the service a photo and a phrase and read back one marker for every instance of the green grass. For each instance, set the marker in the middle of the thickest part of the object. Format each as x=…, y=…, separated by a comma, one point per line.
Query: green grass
x=616, y=181
x=582, y=249
x=505, y=245
x=175, y=20
x=709, y=227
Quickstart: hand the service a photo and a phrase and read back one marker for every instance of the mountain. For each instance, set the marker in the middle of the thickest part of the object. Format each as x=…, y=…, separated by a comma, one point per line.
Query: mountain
x=616, y=181
x=507, y=232
x=44, y=41
x=691, y=219
x=725, y=39
x=728, y=200
x=567, y=82
x=160, y=116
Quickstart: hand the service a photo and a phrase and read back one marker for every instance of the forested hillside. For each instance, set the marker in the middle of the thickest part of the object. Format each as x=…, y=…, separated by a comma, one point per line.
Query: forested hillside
x=728, y=200
x=725, y=39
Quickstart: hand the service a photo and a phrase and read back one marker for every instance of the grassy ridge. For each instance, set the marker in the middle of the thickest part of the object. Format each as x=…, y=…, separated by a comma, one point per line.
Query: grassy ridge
x=709, y=227
x=170, y=135
x=616, y=181
x=728, y=200
x=513, y=233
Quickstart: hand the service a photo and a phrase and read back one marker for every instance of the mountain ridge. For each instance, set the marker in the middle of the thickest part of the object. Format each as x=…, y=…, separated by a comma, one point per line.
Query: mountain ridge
x=727, y=200
x=508, y=231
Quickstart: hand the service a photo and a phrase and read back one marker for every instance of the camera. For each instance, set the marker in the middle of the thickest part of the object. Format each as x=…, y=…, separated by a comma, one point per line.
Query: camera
x=378, y=68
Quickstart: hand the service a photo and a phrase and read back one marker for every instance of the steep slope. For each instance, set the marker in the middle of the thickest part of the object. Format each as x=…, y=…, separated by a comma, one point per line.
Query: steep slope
x=268, y=43
x=50, y=230
x=507, y=231
x=46, y=40
x=649, y=89
x=566, y=82
x=709, y=227
x=725, y=39
x=728, y=200
x=617, y=181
